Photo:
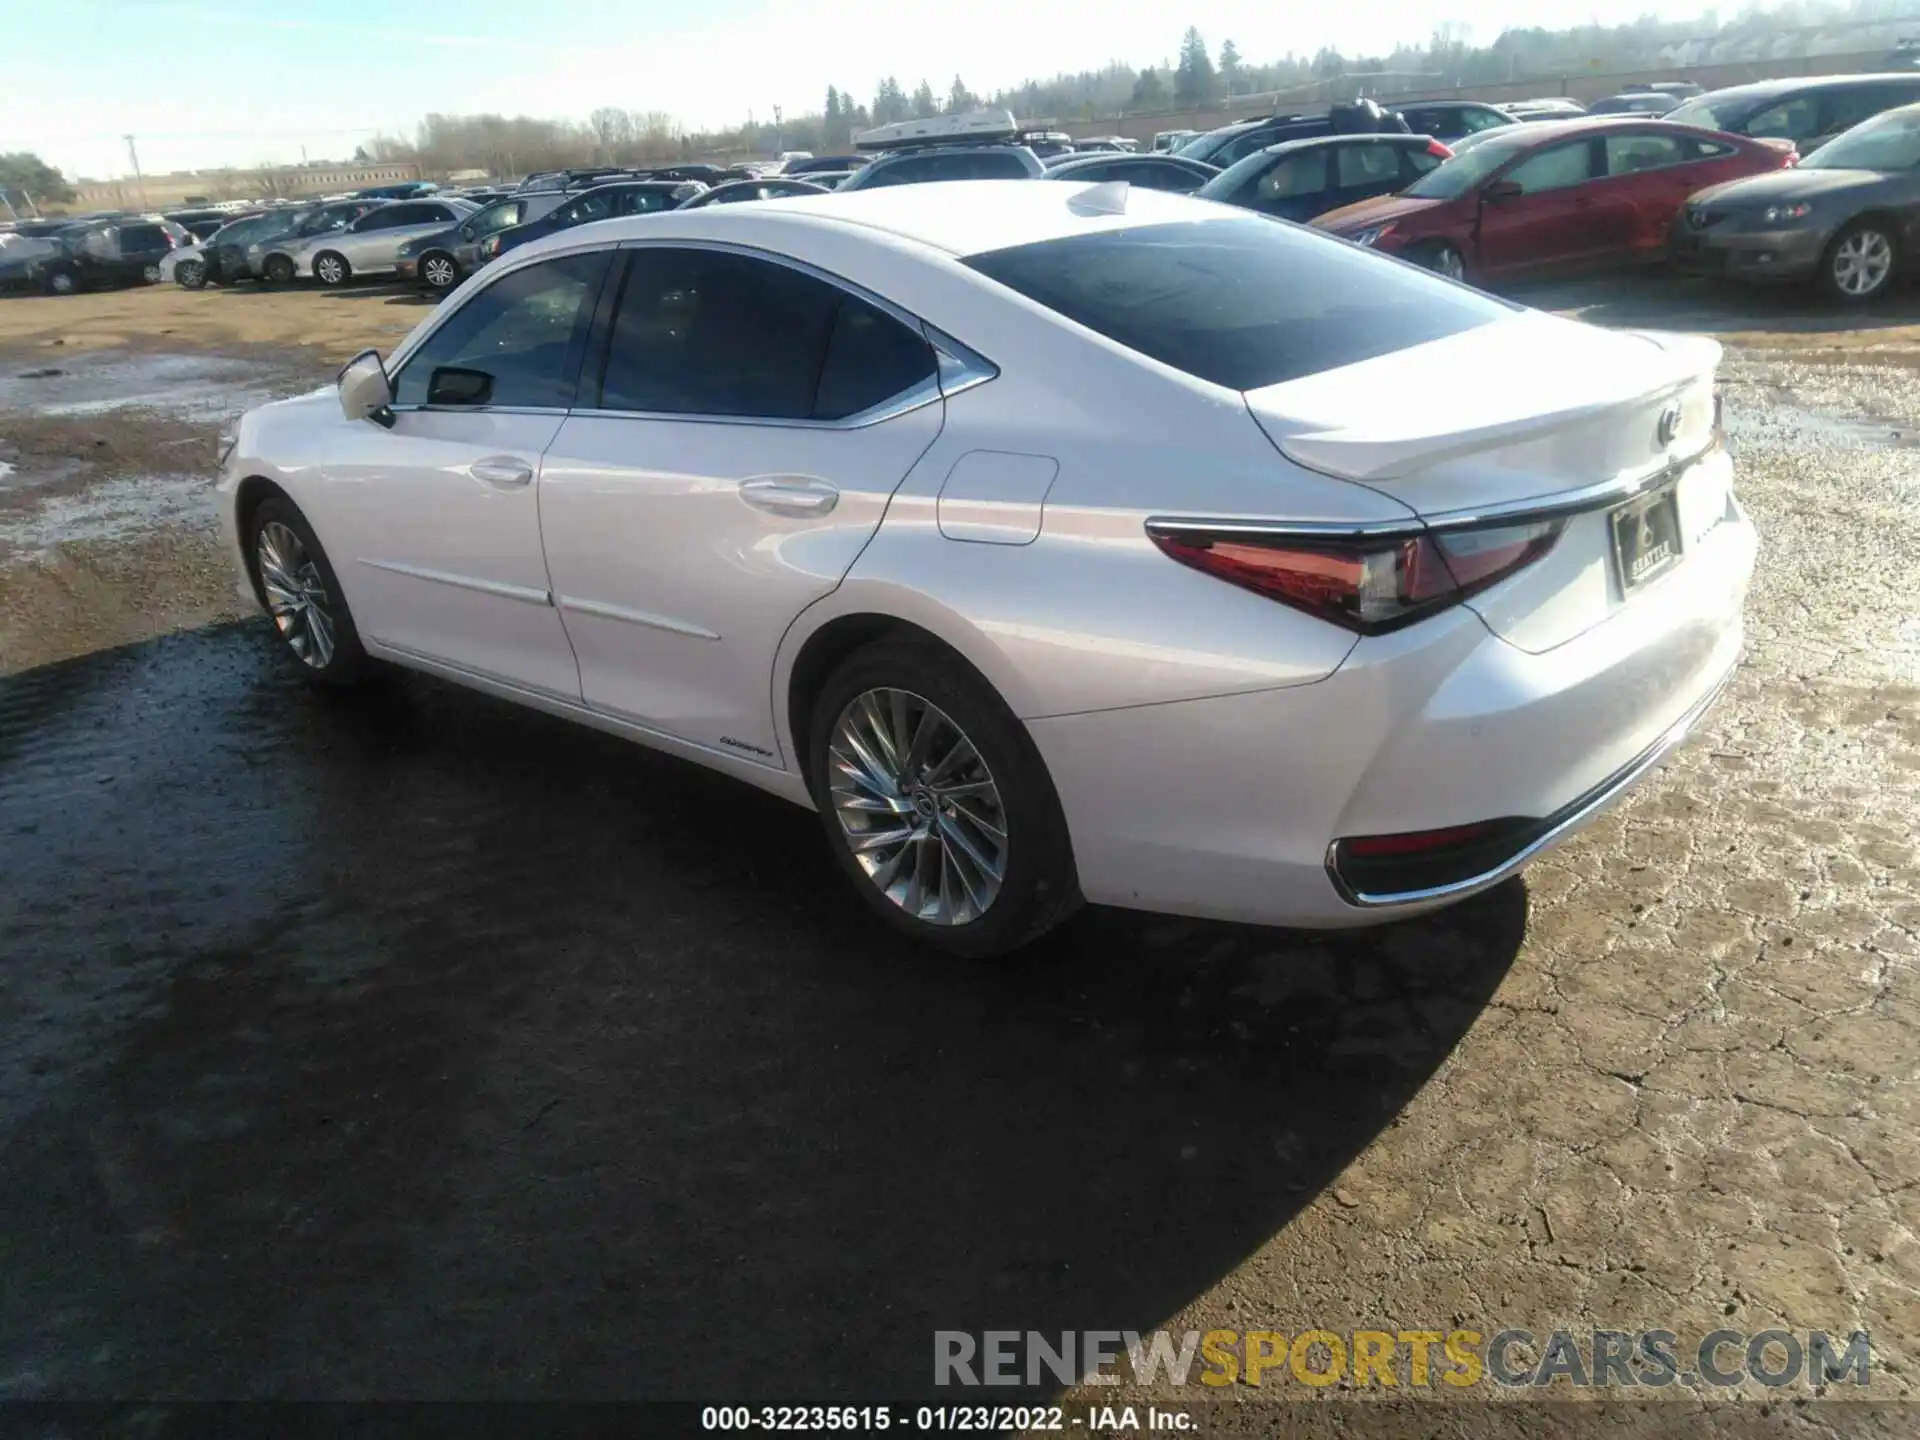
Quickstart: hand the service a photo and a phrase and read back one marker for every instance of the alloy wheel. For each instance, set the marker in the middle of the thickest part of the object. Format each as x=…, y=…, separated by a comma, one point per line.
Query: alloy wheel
x=296, y=594
x=151, y=274
x=1449, y=263
x=62, y=284
x=329, y=270
x=1862, y=262
x=921, y=813
x=439, y=272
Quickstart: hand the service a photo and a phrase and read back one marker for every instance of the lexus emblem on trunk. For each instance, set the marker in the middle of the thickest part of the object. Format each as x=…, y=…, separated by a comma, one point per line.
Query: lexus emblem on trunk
x=1667, y=429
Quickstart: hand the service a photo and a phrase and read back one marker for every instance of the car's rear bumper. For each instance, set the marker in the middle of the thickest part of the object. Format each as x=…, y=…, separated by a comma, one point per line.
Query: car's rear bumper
x=1231, y=807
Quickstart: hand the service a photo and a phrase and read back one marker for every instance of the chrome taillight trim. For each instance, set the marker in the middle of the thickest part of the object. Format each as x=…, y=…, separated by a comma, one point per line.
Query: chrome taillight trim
x=1540, y=507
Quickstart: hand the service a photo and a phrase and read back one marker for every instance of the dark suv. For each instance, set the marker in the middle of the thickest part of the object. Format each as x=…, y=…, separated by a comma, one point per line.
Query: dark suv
x=1451, y=120
x=603, y=202
x=108, y=252
x=1808, y=111
x=1231, y=143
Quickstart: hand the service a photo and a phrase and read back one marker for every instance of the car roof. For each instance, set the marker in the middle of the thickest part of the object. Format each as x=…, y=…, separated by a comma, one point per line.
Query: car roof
x=1766, y=89
x=954, y=217
x=1444, y=104
x=1365, y=137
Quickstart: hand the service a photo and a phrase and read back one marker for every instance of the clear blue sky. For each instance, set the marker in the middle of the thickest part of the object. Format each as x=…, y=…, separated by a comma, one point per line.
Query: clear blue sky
x=211, y=82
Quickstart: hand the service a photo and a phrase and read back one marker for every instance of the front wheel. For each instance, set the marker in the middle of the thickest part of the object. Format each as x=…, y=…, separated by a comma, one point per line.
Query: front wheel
x=331, y=269
x=62, y=282
x=302, y=594
x=440, y=272
x=936, y=804
x=1859, y=265
x=278, y=270
x=190, y=275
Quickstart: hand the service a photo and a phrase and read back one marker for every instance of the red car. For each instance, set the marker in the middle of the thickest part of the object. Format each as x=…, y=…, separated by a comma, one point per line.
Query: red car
x=1563, y=195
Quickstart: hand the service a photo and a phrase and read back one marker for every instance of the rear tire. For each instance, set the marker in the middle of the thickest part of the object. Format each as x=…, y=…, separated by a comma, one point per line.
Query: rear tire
x=190, y=275
x=1861, y=263
x=278, y=270
x=150, y=274
x=62, y=282
x=296, y=583
x=331, y=270
x=905, y=742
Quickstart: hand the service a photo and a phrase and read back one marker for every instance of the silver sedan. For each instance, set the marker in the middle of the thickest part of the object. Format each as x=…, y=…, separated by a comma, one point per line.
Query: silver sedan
x=371, y=244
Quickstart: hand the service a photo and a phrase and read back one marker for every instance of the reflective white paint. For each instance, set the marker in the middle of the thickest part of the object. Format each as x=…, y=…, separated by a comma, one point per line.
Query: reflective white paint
x=659, y=578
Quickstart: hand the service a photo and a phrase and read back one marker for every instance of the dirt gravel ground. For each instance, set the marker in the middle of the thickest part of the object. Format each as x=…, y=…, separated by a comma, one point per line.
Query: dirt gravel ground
x=405, y=1044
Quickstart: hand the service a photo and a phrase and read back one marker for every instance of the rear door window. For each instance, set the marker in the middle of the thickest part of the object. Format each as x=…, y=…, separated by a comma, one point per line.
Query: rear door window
x=1844, y=108
x=1630, y=154
x=1555, y=168
x=1795, y=119
x=643, y=202
x=1290, y=177
x=1238, y=301
x=1415, y=161
x=702, y=332
x=1363, y=167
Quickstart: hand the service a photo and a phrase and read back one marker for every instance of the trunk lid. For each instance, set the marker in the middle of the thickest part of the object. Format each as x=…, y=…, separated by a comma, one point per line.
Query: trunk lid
x=1513, y=411
x=1521, y=410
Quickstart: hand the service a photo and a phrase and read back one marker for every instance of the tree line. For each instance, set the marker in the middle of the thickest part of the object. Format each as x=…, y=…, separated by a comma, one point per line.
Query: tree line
x=1196, y=75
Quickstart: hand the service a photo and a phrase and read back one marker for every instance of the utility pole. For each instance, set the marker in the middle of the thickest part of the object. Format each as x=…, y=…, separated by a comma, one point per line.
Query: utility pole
x=778, y=141
x=139, y=179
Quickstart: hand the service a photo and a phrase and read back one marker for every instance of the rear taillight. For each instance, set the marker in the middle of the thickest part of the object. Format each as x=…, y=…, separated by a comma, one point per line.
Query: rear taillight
x=1368, y=584
x=1415, y=842
x=1435, y=148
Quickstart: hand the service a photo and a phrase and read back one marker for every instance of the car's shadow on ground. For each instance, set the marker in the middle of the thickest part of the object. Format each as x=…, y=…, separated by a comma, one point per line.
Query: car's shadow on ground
x=393, y=292
x=406, y=1043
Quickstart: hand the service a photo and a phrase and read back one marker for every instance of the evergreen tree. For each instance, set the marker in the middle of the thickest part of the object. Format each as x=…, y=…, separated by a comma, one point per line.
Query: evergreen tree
x=1194, y=81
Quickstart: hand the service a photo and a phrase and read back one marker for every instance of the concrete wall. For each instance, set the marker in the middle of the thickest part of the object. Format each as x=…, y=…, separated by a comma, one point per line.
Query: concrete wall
x=167, y=192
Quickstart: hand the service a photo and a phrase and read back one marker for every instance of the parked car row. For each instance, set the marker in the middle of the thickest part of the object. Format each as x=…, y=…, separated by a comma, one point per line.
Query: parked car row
x=1478, y=192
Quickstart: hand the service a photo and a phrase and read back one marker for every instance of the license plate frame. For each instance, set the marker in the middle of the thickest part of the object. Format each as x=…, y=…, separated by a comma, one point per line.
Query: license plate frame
x=1645, y=537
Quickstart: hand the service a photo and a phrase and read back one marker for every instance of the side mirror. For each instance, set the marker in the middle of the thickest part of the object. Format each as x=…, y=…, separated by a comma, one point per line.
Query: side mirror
x=451, y=385
x=365, y=392
x=1500, y=190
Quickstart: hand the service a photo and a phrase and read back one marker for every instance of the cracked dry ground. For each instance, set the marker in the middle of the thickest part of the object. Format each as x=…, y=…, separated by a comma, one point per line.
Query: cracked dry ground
x=1691, y=1101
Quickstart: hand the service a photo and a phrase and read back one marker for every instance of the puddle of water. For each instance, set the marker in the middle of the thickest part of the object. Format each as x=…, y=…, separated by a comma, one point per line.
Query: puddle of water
x=1778, y=416
x=121, y=509
x=192, y=387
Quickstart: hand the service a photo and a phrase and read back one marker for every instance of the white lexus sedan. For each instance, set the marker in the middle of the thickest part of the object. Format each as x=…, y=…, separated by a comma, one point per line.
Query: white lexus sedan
x=1053, y=542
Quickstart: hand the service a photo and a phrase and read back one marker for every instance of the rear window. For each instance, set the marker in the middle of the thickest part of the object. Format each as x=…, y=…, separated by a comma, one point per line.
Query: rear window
x=1244, y=302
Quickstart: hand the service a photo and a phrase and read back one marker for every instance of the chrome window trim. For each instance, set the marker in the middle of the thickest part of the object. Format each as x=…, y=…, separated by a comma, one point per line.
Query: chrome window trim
x=957, y=367
x=1540, y=507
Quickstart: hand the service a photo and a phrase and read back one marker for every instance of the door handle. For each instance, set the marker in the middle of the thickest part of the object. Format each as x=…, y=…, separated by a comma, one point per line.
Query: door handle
x=790, y=497
x=501, y=470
